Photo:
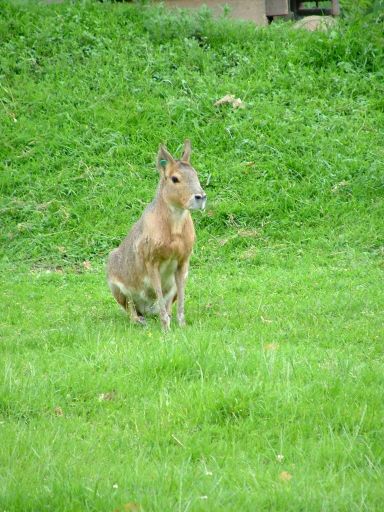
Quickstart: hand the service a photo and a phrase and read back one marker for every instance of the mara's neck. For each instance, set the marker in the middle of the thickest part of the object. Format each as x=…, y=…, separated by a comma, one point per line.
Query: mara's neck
x=173, y=215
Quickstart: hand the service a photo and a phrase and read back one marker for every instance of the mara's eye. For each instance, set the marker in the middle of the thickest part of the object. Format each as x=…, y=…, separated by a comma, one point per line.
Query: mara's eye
x=175, y=179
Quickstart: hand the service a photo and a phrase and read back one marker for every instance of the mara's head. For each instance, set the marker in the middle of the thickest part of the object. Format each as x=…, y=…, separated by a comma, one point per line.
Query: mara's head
x=180, y=185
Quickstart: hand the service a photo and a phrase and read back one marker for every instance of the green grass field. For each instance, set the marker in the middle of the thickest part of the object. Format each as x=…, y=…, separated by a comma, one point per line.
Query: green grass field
x=271, y=399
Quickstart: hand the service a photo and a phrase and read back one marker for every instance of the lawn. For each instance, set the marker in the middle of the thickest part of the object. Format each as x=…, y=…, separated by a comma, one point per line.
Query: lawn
x=272, y=397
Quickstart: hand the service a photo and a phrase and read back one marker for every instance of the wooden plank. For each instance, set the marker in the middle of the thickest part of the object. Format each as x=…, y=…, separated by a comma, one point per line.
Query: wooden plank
x=335, y=8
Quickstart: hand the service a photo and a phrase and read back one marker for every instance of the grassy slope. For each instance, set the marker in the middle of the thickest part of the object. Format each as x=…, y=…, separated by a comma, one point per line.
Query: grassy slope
x=283, y=352
x=89, y=92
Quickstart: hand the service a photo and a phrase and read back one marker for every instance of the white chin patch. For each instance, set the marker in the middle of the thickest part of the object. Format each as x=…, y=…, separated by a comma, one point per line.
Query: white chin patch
x=197, y=204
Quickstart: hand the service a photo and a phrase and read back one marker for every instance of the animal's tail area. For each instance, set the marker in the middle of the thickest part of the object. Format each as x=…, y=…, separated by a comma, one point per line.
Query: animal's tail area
x=118, y=294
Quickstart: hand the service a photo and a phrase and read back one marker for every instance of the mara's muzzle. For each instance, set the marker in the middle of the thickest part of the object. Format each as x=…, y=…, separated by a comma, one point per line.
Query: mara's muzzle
x=198, y=201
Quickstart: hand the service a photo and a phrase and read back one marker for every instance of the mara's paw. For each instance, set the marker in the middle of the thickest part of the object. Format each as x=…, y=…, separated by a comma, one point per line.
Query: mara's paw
x=166, y=322
x=141, y=321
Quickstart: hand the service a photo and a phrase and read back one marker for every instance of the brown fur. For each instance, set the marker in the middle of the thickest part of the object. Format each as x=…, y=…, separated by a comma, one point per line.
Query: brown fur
x=147, y=272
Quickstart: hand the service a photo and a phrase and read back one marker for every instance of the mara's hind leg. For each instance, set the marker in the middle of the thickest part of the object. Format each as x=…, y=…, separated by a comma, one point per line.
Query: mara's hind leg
x=126, y=303
x=119, y=296
x=135, y=317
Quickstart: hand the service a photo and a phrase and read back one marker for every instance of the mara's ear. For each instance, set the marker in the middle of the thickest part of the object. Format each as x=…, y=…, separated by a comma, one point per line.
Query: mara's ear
x=186, y=151
x=164, y=158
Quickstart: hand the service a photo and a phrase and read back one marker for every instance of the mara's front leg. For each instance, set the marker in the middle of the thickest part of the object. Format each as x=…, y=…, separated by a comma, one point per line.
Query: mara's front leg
x=181, y=277
x=154, y=275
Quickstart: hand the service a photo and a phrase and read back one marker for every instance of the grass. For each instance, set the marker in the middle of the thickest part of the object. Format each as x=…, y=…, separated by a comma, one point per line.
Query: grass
x=271, y=398
x=287, y=362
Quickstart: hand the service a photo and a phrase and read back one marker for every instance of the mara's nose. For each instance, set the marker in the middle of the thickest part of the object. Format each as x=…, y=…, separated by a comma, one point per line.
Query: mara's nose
x=200, y=197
